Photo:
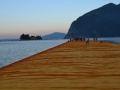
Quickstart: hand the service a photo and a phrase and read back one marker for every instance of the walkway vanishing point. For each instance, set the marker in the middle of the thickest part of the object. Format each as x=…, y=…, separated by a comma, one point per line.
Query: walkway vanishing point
x=70, y=66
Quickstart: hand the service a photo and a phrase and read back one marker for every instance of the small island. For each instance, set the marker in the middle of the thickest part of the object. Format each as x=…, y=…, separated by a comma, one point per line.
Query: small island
x=28, y=37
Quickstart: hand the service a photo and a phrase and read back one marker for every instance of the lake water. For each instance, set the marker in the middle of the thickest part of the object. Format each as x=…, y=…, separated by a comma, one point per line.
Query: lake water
x=12, y=51
x=110, y=39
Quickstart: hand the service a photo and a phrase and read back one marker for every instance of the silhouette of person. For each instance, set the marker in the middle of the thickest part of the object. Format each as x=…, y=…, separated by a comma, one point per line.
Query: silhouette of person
x=87, y=41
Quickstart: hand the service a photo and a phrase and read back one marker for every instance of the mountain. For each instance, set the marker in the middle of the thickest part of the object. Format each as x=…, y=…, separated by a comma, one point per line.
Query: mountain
x=101, y=22
x=55, y=35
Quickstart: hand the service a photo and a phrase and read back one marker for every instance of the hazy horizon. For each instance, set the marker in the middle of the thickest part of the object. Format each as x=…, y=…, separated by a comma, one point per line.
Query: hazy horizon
x=42, y=17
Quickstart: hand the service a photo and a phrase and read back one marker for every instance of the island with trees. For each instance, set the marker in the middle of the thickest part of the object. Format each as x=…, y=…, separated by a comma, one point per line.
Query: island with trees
x=28, y=37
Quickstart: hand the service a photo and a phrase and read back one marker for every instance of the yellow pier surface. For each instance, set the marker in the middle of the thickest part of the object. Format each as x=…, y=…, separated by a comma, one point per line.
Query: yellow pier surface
x=69, y=66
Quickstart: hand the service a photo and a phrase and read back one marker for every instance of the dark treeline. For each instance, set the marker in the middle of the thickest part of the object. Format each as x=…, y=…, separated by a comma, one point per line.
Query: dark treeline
x=28, y=37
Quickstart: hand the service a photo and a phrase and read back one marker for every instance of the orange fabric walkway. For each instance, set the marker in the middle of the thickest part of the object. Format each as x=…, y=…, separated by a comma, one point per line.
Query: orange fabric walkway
x=70, y=66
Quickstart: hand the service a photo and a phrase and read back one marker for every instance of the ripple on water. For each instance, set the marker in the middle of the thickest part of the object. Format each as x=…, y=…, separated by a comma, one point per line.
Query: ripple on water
x=12, y=51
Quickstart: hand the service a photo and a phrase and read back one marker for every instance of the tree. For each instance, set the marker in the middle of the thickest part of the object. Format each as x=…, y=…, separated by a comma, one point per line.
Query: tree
x=38, y=37
x=22, y=37
x=25, y=37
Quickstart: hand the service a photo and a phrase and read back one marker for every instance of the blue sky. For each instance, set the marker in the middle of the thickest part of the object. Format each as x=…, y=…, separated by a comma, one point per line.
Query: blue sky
x=41, y=17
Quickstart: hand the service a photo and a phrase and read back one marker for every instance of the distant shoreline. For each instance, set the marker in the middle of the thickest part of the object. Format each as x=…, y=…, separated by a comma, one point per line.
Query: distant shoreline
x=101, y=39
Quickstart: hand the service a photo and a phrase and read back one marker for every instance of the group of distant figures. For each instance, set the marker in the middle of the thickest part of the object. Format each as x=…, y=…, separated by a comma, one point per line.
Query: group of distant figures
x=83, y=39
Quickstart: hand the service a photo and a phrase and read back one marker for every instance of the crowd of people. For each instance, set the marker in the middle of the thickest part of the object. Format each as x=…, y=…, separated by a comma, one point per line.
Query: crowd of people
x=86, y=40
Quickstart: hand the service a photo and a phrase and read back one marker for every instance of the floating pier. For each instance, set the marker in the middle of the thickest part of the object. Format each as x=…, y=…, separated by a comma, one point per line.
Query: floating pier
x=69, y=66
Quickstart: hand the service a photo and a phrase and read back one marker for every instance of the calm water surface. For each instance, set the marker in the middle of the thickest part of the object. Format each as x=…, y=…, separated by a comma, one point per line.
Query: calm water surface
x=110, y=39
x=12, y=51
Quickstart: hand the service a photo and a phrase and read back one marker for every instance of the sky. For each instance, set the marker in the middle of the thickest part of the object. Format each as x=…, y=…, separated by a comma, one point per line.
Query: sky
x=42, y=17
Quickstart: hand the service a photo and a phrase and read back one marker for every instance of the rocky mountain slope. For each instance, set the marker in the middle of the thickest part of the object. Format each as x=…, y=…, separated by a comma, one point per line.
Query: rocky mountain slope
x=101, y=22
x=55, y=35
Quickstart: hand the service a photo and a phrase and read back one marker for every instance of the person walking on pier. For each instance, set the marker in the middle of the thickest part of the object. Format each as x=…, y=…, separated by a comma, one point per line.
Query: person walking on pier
x=87, y=41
